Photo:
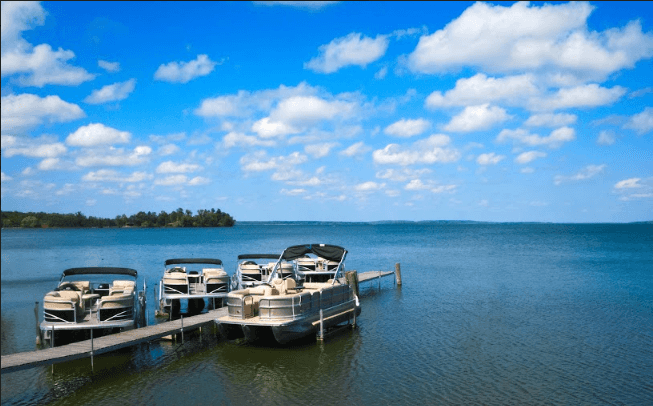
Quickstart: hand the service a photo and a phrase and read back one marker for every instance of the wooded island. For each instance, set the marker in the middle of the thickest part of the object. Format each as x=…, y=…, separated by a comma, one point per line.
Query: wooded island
x=177, y=218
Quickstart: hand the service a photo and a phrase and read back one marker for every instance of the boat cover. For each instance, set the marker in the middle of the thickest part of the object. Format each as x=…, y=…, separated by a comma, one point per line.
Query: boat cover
x=193, y=261
x=100, y=270
x=330, y=252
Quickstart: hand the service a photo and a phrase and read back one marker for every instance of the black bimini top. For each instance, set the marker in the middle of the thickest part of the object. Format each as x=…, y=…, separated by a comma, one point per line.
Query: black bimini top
x=100, y=270
x=330, y=252
x=193, y=261
x=258, y=256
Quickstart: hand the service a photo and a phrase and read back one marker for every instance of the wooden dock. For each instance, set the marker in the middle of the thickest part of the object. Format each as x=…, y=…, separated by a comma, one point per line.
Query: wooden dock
x=373, y=275
x=89, y=348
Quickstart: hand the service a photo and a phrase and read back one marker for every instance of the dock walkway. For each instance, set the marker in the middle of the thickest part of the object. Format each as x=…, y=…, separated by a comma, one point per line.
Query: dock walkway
x=84, y=349
x=372, y=275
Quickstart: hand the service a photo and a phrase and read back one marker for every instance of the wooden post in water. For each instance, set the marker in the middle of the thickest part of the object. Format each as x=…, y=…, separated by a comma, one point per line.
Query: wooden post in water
x=182, y=327
x=398, y=273
x=321, y=325
x=38, y=330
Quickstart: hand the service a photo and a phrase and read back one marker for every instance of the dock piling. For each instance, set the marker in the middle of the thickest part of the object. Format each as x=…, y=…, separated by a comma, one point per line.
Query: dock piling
x=92, y=366
x=38, y=330
x=398, y=274
x=321, y=337
x=182, y=328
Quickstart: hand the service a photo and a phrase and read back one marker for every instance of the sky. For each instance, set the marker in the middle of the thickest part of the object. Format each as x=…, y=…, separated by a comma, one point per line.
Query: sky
x=329, y=111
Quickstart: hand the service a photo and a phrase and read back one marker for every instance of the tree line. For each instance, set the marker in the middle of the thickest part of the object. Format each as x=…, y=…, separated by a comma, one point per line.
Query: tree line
x=177, y=218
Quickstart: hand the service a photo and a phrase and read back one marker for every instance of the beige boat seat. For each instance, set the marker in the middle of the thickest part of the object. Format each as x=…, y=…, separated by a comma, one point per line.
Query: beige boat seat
x=83, y=286
x=214, y=274
x=122, y=287
x=306, y=263
x=284, y=286
x=61, y=300
x=251, y=270
x=117, y=299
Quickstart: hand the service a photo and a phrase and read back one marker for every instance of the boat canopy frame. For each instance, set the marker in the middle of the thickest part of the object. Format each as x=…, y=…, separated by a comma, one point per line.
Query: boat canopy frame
x=176, y=261
x=258, y=256
x=326, y=251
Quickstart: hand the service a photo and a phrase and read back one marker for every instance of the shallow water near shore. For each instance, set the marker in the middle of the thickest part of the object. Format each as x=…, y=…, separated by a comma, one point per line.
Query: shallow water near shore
x=488, y=314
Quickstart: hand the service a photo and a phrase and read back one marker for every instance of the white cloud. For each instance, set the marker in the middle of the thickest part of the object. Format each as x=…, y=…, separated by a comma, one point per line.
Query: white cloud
x=587, y=172
x=52, y=164
x=172, y=180
x=553, y=140
x=480, y=89
x=475, y=118
x=266, y=128
x=381, y=73
x=417, y=184
x=114, y=157
x=407, y=127
x=346, y=51
x=642, y=122
x=427, y=151
x=369, y=186
x=199, y=181
x=529, y=156
x=259, y=162
x=111, y=67
x=168, y=149
x=357, y=149
x=551, y=37
x=628, y=183
x=38, y=65
x=233, y=139
x=489, y=159
x=184, y=72
x=308, y=110
x=551, y=120
x=591, y=95
x=5, y=178
x=292, y=192
x=402, y=174
x=110, y=175
x=173, y=167
x=114, y=92
x=35, y=150
x=606, y=137
x=26, y=111
x=97, y=134
x=319, y=150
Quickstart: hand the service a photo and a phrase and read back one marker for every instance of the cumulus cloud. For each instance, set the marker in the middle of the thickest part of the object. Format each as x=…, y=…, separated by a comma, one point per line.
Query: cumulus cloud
x=553, y=140
x=37, y=65
x=26, y=111
x=259, y=161
x=480, y=89
x=174, y=167
x=110, y=175
x=554, y=37
x=475, y=118
x=591, y=95
x=266, y=128
x=5, y=178
x=110, y=67
x=356, y=149
x=550, y=120
x=642, y=122
x=628, y=183
x=234, y=139
x=181, y=180
x=427, y=151
x=369, y=186
x=346, y=51
x=114, y=92
x=97, y=134
x=587, y=172
x=417, y=184
x=407, y=127
x=489, y=159
x=529, y=156
x=34, y=148
x=402, y=174
x=184, y=72
x=114, y=157
x=308, y=110
x=320, y=150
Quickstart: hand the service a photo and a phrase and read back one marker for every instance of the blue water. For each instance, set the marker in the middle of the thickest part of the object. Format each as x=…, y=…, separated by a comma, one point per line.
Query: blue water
x=488, y=314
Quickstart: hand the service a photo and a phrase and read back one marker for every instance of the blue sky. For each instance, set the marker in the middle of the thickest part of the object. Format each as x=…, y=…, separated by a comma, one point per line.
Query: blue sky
x=330, y=111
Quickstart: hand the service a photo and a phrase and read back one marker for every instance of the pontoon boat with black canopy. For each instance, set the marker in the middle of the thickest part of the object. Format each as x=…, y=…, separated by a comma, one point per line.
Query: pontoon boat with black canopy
x=196, y=280
x=292, y=306
x=102, y=299
x=254, y=269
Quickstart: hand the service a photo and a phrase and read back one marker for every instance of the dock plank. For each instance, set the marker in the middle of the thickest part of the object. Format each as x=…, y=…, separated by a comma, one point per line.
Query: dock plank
x=373, y=275
x=101, y=345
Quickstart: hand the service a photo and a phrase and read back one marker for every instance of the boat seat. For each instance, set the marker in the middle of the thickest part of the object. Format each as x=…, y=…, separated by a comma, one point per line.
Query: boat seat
x=83, y=286
x=177, y=269
x=284, y=286
x=64, y=299
x=214, y=273
x=122, y=288
x=117, y=299
x=175, y=277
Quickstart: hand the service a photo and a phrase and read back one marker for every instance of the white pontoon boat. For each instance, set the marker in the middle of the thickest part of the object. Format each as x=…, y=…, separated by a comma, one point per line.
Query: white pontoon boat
x=291, y=307
x=196, y=280
x=102, y=299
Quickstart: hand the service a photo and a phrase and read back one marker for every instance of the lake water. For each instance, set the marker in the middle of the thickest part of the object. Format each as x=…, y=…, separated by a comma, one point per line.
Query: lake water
x=488, y=314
